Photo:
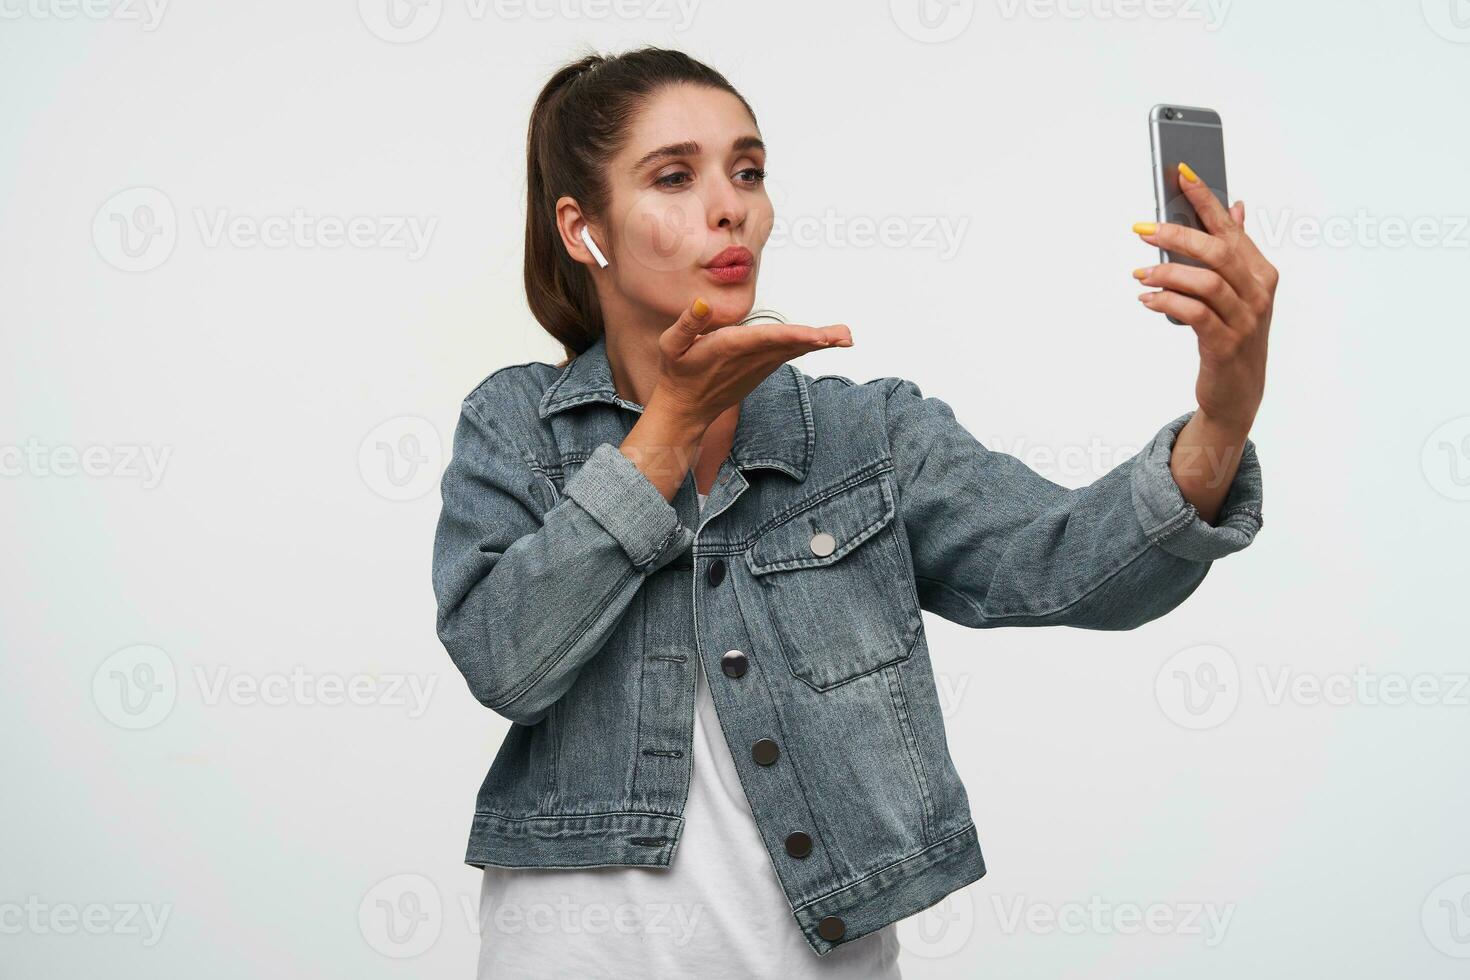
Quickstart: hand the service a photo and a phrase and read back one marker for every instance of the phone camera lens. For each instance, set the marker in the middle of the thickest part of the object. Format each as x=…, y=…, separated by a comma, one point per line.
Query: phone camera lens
x=1168, y=113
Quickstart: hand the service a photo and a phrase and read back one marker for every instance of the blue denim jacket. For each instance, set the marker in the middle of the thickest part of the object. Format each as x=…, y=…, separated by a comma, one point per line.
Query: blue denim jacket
x=574, y=599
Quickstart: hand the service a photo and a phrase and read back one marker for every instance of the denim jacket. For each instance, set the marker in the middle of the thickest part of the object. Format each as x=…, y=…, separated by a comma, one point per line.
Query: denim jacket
x=574, y=599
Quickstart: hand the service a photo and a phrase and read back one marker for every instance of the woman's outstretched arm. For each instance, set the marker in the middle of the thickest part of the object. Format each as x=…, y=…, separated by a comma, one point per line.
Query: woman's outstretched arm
x=994, y=543
x=1228, y=303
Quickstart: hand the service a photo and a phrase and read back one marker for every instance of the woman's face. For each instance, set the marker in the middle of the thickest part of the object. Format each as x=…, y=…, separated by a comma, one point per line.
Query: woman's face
x=687, y=197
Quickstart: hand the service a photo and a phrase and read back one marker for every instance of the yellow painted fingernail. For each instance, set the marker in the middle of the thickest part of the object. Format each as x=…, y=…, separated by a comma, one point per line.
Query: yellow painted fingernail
x=1145, y=228
x=1142, y=273
x=701, y=308
x=1187, y=173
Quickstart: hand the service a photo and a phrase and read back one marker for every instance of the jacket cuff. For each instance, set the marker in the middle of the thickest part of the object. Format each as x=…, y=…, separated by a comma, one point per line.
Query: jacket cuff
x=1172, y=523
x=620, y=498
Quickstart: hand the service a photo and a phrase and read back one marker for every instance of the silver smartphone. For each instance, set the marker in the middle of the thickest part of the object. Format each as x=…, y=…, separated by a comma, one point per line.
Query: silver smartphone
x=1194, y=135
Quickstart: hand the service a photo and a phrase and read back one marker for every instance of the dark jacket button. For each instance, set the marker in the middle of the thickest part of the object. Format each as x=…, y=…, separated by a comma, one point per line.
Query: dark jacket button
x=716, y=572
x=831, y=928
x=798, y=844
x=764, y=751
x=734, y=664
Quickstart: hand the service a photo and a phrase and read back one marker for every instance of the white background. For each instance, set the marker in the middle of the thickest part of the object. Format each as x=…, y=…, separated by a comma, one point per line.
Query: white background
x=296, y=400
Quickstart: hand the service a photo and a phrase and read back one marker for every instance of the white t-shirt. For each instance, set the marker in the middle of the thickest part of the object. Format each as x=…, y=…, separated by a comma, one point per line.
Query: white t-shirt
x=716, y=911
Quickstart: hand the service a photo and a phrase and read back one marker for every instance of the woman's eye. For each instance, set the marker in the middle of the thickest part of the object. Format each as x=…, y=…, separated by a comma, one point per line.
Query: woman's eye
x=669, y=180
x=752, y=175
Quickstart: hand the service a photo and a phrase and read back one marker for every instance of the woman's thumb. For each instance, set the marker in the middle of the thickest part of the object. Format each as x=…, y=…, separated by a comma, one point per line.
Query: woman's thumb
x=691, y=323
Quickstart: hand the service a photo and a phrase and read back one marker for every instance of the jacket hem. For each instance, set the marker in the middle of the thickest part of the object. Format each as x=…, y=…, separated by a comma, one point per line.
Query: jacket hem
x=573, y=841
x=896, y=892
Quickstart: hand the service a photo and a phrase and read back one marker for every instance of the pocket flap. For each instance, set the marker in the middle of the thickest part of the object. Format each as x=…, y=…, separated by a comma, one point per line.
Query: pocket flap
x=850, y=515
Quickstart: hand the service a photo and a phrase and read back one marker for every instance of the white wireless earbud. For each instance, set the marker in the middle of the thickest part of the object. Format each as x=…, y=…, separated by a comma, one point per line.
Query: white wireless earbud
x=596, y=252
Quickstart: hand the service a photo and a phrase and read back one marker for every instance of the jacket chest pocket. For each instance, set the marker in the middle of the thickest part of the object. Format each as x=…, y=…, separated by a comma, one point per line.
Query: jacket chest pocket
x=837, y=589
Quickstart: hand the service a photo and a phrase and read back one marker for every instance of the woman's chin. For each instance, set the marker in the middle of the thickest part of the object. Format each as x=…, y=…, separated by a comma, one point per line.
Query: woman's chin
x=731, y=304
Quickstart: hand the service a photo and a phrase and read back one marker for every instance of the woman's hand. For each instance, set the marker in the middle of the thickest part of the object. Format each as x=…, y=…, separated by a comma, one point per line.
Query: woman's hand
x=703, y=372
x=1228, y=304
x=706, y=371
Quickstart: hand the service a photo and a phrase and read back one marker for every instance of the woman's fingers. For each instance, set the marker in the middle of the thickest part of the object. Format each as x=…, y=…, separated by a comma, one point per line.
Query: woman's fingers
x=1212, y=214
x=1203, y=284
x=1221, y=254
x=1211, y=331
x=691, y=323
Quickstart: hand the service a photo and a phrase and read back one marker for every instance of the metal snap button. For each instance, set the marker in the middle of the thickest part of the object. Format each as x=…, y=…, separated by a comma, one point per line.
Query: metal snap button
x=715, y=574
x=734, y=663
x=798, y=844
x=823, y=544
x=831, y=928
x=764, y=751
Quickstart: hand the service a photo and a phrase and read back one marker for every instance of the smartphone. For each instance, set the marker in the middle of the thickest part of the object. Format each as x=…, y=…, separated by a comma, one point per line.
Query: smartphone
x=1194, y=135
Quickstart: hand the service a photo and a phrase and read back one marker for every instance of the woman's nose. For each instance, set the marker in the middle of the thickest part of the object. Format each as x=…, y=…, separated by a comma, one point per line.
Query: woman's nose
x=725, y=208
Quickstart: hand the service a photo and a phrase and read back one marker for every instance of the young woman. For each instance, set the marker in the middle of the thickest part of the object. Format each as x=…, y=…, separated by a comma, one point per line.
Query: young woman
x=691, y=576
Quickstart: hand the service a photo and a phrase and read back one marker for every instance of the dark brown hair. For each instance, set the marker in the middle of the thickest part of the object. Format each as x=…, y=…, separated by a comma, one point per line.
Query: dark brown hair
x=579, y=122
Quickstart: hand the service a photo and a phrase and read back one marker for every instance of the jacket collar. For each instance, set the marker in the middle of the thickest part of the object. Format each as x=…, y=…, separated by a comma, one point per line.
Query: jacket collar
x=775, y=427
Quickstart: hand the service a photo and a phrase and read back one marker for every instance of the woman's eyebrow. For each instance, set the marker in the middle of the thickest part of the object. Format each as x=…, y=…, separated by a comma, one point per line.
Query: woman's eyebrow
x=690, y=148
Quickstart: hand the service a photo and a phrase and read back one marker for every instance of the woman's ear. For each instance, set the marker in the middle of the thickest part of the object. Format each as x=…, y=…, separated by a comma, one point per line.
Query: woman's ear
x=576, y=234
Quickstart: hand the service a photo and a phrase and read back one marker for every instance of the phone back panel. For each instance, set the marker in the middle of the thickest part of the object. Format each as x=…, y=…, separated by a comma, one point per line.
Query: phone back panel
x=1196, y=137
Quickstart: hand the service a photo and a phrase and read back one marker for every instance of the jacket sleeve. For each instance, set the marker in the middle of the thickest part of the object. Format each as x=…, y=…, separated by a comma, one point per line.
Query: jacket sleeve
x=529, y=589
x=996, y=544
